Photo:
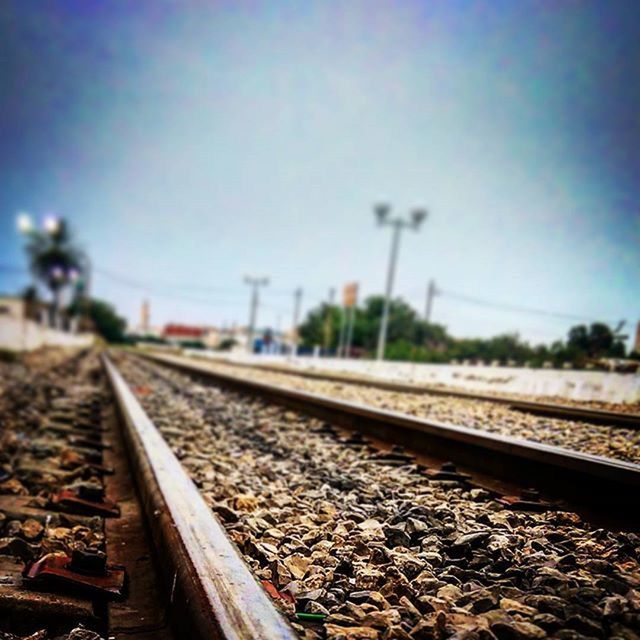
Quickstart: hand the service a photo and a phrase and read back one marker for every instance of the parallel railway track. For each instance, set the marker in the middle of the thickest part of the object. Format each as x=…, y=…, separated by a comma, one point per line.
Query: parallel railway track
x=589, y=483
x=208, y=590
x=280, y=449
x=546, y=409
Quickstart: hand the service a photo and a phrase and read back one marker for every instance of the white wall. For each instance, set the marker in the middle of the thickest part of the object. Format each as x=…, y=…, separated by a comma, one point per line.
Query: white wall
x=576, y=385
x=27, y=335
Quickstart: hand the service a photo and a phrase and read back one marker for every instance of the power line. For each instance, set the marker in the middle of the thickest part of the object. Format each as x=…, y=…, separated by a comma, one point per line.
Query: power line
x=181, y=286
x=133, y=284
x=509, y=307
x=156, y=288
x=162, y=285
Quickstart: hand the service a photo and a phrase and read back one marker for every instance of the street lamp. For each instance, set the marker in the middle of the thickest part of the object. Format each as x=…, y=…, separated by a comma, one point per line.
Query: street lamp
x=51, y=225
x=24, y=223
x=383, y=213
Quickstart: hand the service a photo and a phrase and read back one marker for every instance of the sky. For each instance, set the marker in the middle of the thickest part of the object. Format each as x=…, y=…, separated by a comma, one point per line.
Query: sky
x=190, y=143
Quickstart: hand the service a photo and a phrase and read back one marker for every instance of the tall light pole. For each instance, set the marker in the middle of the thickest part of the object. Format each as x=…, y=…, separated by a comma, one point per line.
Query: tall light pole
x=382, y=212
x=255, y=283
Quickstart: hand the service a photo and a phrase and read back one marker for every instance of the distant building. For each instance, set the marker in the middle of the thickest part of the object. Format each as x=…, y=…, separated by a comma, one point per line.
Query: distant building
x=144, y=329
x=145, y=315
x=179, y=333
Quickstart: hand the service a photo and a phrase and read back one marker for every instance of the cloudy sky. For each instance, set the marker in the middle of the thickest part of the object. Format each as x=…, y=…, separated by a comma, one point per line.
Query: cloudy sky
x=190, y=143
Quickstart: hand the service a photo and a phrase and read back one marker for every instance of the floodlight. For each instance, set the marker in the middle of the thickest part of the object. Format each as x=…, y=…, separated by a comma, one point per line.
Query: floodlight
x=51, y=224
x=24, y=223
x=382, y=212
x=418, y=216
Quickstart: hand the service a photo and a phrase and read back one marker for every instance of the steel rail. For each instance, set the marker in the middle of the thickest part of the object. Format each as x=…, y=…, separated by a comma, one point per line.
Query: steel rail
x=546, y=409
x=213, y=594
x=610, y=486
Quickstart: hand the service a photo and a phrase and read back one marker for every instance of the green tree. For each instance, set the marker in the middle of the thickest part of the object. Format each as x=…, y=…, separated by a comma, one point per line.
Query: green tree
x=404, y=327
x=412, y=339
x=106, y=322
x=54, y=258
x=313, y=330
x=596, y=341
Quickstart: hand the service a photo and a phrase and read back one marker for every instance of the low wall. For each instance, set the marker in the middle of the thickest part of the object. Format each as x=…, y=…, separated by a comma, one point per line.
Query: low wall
x=575, y=385
x=27, y=335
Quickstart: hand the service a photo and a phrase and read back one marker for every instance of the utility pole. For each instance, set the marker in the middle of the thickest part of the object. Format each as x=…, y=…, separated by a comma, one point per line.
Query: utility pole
x=255, y=284
x=382, y=212
x=432, y=292
x=297, y=301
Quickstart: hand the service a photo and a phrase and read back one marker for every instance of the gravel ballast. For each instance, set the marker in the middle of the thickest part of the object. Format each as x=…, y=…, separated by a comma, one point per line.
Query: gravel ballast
x=374, y=550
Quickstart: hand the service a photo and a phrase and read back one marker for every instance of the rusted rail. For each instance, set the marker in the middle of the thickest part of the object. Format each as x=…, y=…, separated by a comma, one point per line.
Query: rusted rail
x=607, y=486
x=213, y=594
x=546, y=409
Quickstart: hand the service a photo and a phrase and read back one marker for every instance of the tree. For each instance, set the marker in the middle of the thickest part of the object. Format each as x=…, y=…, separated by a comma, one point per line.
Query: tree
x=105, y=320
x=226, y=344
x=313, y=330
x=404, y=326
x=54, y=259
x=410, y=338
x=597, y=341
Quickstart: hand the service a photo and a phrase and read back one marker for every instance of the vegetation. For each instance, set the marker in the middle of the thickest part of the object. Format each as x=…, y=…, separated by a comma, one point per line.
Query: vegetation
x=104, y=318
x=410, y=338
x=54, y=259
x=58, y=263
x=226, y=344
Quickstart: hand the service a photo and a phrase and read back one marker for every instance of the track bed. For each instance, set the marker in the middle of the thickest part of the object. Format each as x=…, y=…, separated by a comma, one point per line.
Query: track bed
x=355, y=541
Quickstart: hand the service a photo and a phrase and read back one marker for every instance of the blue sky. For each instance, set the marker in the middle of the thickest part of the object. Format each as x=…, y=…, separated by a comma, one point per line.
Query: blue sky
x=190, y=143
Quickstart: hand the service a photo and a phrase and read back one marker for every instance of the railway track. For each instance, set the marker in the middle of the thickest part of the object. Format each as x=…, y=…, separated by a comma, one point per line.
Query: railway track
x=212, y=592
x=353, y=540
x=269, y=517
x=75, y=558
x=546, y=409
x=83, y=556
x=592, y=484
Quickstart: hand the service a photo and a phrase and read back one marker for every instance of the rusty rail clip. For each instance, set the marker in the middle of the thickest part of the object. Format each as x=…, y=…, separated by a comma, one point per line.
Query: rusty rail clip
x=86, y=500
x=356, y=439
x=100, y=469
x=74, y=459
x=447, y=471
x=528, y=501
x=83, y=571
